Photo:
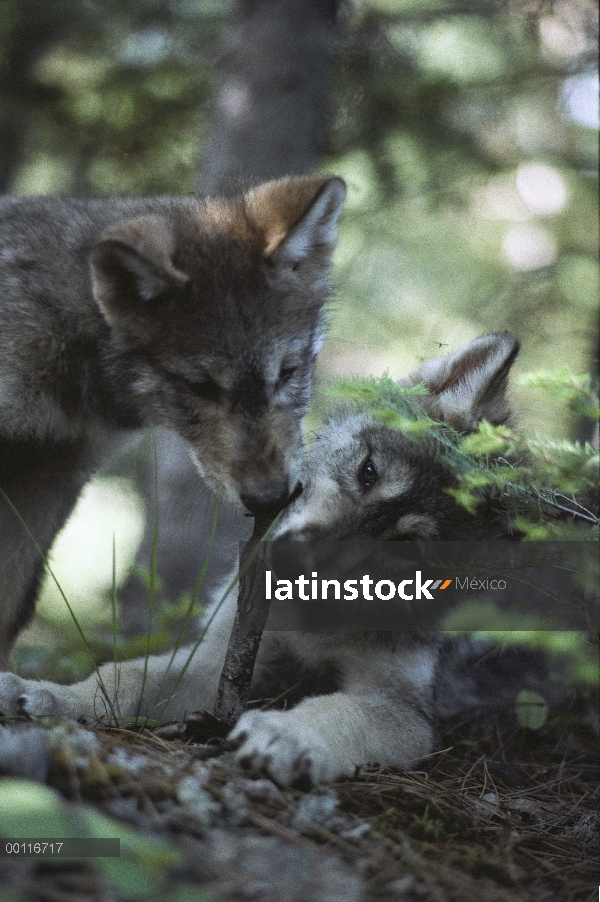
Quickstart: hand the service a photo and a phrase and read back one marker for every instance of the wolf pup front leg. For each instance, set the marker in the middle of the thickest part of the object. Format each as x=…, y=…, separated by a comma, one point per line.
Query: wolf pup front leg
x=202, y=316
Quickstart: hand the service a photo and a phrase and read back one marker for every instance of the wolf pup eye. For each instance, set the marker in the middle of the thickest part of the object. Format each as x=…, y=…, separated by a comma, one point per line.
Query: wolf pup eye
x=207, y=389
x=285, y=374
x=368, y=474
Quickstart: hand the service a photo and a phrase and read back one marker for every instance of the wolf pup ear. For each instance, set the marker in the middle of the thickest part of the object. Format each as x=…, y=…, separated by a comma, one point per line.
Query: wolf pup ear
x=131, y=262
x=297, y=216
x=469, y=385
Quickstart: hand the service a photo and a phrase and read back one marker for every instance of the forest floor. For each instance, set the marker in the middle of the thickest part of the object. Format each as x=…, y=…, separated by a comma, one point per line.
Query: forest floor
x=500, y=813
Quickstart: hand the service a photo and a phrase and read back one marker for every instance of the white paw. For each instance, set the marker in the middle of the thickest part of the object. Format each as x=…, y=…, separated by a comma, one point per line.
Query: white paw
x=19, y=696
x=284, y=747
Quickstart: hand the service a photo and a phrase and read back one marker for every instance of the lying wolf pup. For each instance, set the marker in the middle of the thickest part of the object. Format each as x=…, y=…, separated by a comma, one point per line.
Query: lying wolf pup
x=367, y=697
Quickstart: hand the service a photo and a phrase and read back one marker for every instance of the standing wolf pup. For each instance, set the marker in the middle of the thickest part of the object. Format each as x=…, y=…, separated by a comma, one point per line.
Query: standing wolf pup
x=365, y=697
x=205, y=317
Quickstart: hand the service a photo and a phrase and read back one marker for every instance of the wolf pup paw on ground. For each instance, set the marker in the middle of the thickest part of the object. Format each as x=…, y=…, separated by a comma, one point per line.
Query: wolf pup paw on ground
x=368, y=697
x=202, y=316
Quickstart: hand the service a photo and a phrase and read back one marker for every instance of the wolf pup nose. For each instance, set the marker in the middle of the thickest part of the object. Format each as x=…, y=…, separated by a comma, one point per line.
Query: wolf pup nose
x=266, y=504
x=117, y=313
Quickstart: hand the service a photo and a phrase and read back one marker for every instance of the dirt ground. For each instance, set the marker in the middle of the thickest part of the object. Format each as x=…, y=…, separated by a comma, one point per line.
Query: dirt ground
x=500, y=813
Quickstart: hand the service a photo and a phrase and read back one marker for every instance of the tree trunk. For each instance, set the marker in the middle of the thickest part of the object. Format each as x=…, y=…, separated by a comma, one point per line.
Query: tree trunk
x=271, y=101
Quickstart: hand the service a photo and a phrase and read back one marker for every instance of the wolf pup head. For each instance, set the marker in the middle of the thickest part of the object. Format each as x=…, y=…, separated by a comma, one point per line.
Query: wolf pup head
x=218, y=308
x=364, y=480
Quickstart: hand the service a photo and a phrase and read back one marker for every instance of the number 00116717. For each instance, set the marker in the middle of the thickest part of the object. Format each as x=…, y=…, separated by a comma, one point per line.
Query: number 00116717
x=72, y=847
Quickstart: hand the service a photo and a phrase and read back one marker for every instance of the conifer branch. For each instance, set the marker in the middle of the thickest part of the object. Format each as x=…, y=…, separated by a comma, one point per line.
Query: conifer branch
x=546, y=484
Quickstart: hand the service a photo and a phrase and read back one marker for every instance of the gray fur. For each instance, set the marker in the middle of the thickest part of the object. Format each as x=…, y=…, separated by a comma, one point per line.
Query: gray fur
x=118, y=313
x=357, y=698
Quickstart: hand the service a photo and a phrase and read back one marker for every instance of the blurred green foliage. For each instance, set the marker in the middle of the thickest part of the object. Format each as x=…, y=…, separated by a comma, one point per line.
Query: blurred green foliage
x=472, y=203
x=462, y=130
x=532, y=709
x=111, y=98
